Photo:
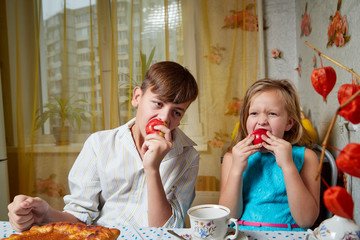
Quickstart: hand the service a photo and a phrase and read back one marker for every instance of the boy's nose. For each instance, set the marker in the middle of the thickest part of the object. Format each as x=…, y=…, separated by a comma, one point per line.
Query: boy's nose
x=164, y=116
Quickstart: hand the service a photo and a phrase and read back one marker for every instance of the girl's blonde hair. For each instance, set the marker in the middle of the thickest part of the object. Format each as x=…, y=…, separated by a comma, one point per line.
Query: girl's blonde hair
x=297, y=134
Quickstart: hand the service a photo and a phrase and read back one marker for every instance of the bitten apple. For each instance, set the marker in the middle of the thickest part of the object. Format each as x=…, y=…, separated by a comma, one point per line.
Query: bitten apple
x=258, y=133
x=150, y=126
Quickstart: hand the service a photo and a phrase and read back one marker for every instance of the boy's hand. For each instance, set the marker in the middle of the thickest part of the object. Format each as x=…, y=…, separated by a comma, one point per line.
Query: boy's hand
x=25, y=211
x=155, y=147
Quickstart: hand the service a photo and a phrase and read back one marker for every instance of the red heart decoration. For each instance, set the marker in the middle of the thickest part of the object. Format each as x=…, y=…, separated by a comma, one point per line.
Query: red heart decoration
x=338, y=201
x=349, y=159
x=323, y=80
x=351, y=111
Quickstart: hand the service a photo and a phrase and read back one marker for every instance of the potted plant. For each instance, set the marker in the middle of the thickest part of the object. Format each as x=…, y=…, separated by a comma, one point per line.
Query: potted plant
x=63, y=114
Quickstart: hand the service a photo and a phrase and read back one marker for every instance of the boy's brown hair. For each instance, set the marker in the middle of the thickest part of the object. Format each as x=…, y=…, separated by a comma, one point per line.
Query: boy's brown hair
x=171, y=81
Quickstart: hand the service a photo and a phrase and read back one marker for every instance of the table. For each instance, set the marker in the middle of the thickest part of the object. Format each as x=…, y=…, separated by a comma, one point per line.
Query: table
x=162, y=234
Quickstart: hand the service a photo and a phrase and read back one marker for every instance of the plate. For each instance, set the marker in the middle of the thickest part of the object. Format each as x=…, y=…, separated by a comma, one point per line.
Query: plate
x=241, y=235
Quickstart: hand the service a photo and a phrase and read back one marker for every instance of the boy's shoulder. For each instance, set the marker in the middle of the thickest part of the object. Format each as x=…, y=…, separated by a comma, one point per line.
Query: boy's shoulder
x=182, y=144
x=180, y=137
x=113, y=133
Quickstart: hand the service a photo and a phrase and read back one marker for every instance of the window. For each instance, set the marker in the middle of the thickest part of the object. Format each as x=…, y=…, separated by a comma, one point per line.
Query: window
x=75, y=64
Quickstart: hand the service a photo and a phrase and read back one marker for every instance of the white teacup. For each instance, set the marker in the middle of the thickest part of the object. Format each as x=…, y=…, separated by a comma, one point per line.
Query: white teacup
x=210, y=221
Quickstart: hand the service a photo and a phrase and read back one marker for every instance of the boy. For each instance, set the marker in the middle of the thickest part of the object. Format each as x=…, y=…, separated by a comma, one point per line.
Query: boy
x=124, y=176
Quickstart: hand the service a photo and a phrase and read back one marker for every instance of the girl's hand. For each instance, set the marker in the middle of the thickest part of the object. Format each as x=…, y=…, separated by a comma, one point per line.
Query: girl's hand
x=241, y=152
x=281, y=148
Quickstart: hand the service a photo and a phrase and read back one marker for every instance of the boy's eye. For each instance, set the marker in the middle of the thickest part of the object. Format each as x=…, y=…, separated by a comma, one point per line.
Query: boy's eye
x=178, y=114
x=158, y=104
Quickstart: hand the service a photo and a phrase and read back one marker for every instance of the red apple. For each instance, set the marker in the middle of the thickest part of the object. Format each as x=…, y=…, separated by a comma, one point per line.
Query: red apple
x=150, y=126
x=258, y=133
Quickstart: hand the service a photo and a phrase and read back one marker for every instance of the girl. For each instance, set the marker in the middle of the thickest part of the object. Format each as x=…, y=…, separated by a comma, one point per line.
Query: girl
x=280, y=188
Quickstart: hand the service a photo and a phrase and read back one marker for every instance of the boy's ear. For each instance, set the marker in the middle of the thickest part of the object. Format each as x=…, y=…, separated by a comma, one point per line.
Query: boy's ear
x=290, y=124
x=136, y=97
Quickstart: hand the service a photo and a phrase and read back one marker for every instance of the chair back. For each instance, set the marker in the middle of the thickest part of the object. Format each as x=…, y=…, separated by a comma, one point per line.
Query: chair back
x=330, y=174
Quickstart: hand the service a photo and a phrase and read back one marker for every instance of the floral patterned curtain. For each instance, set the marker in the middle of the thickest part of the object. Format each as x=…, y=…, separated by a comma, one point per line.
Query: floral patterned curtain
x=84, y=58
x=229, y=65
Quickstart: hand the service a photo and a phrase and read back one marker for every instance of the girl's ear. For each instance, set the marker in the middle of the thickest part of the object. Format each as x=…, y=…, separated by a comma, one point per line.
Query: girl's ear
x=136, y=97
x=290, y=123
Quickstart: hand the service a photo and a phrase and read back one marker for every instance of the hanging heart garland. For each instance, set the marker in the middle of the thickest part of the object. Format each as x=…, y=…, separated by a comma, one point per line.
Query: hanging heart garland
x=323, y=80
x=351, y=111
x=338, y=201
x=348, y=160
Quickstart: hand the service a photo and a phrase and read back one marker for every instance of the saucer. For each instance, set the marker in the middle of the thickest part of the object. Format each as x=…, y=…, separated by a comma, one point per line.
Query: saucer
x=240, y=236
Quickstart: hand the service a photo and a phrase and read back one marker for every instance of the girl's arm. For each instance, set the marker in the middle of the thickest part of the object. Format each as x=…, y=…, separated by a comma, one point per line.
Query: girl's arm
x=232, y=169
x=231, y=187
x=303, y=190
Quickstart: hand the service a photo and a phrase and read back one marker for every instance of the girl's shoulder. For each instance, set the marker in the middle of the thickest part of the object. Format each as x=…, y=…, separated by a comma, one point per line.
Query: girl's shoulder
x=311, y=154
x=227, y=156
x=306, y=152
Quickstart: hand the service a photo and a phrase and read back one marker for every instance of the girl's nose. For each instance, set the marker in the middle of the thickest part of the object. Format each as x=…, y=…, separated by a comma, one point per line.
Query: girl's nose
x=262, y=119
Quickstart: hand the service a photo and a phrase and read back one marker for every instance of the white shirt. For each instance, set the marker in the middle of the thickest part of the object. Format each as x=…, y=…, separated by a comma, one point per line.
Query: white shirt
x=108, y=185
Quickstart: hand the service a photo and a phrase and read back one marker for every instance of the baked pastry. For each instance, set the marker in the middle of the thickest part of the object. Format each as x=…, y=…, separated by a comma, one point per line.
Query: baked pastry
x=67, y=230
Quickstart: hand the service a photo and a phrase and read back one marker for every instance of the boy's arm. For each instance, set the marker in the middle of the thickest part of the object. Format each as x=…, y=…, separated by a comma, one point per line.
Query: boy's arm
x=25, y=211
x=159, y=209
x=182, y=193
x=169, y=209
x=84, y=183
x=154, y=149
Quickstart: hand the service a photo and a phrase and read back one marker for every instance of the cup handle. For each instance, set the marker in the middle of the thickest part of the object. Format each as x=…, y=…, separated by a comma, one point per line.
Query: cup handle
x=234, y=236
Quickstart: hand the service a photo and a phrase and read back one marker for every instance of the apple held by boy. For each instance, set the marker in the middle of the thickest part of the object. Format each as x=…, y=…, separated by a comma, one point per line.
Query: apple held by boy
x=151, y=124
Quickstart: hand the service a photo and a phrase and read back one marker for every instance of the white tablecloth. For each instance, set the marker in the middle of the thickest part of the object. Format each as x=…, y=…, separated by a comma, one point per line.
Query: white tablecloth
x=162, y=234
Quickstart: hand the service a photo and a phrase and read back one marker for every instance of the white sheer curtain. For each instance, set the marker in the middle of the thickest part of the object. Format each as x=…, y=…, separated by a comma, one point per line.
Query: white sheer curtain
x=83, y=57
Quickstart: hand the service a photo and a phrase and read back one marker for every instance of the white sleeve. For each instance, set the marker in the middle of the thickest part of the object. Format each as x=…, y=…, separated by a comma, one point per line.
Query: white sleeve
x=84, y=184
x=183, y=193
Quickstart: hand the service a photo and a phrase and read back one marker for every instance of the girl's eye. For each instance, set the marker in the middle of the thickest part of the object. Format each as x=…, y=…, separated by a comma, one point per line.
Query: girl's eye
x=253, y=113
x=273, y=114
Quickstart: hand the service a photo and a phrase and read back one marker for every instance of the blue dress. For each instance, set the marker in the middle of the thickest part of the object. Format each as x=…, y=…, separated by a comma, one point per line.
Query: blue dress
x=264, y=191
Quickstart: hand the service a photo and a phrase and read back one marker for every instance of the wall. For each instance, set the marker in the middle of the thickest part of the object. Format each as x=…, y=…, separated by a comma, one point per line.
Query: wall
x=284, y=33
